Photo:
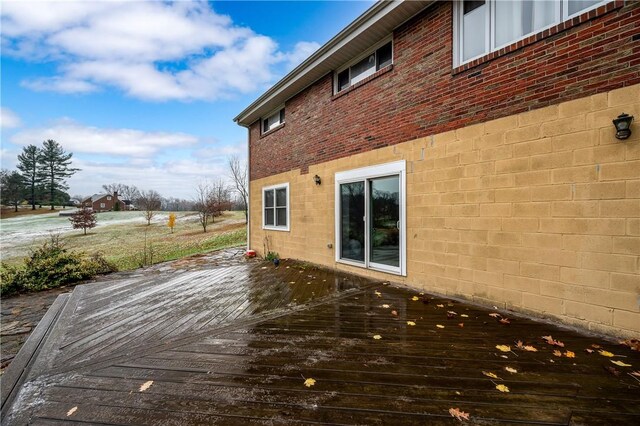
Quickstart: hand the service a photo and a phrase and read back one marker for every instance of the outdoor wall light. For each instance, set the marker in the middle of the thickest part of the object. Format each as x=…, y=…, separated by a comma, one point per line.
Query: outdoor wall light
x=317, y=180
x=623, y=125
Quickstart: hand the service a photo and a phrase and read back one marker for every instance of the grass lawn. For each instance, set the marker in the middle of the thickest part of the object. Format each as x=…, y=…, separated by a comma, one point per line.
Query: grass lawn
x=8, y=212
x=125, y=244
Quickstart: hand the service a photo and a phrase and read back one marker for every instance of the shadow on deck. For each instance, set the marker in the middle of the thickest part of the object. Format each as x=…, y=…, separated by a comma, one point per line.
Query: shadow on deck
x=234, y=344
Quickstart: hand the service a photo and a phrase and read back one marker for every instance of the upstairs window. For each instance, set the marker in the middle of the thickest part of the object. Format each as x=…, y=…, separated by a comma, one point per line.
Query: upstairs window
x=108, y=198
x=484, y=26
x=378, y=58
x=275, y=202
x=273, y=121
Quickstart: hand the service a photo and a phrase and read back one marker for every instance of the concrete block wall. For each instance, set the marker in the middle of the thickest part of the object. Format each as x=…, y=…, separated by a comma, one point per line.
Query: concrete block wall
x=537, y=212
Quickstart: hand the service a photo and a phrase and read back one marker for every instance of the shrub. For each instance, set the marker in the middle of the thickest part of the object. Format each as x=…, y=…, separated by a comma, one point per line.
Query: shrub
x=50, y=266
x=271, y=256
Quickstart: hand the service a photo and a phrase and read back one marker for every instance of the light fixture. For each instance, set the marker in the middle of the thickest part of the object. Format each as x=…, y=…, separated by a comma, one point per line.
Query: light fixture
x=623, y=125
x=317, y=180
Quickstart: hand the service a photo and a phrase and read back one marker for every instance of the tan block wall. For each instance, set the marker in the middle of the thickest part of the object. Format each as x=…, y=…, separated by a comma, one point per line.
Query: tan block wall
x=537, y=212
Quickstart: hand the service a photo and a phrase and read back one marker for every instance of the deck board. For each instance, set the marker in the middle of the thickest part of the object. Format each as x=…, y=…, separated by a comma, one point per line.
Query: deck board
x=234, y=344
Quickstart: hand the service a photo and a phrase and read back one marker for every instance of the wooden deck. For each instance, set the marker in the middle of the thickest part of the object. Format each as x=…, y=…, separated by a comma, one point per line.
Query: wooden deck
x=235, y=344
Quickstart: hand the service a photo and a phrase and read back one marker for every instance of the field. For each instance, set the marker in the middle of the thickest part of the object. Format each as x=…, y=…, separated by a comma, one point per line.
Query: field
x=123, y=237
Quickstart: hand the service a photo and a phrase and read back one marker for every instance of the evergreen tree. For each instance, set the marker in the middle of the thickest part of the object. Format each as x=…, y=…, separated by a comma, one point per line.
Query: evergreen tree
x=11, y=188
x=28, y=164
x=55, y=168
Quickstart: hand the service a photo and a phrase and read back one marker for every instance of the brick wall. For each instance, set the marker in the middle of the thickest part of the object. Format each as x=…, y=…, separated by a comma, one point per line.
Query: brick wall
x=422, y=94
x=537, y=212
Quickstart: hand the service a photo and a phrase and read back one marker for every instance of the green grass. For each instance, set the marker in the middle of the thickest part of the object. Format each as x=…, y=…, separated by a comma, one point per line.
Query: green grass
x=124, y=244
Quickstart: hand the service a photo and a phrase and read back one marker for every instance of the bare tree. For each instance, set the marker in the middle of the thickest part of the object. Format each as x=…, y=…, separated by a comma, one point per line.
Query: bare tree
x=125, y=192
x=203, y=204
x=220, y=198
x=149, y=202
x=240, y=182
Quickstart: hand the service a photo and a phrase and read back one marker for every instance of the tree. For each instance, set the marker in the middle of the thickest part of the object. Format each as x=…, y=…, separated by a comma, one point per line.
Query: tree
x=55, y=168
x=11, y=188
x=203, y=204
x=172, y=221
x=220, y=199
x=29, y=166
x=240, y=183
x=83, y=219
x=125, y=192
x=149, y=202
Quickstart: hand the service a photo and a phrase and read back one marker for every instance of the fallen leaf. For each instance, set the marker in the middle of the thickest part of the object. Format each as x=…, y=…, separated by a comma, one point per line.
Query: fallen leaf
x=495, y=315
x=557, y=353
x=503, y=348
x=411, y=323
x=415, y=298
x=490, y=374
x=569, y=354
x=553, y=342
x=440, y=306
x=634, y=344
x=635, y=373
x=606, y=353
x=504, y=321
x=394, y=313
x=309, y=382
x=502, y=388
x=451, y=314
x=377, y=293
x=73, y=410
x=511, y=370
x=461, y=325
x=439, y=326
x=292, y=282
x=464, y=315
x=530, y=349
x=589, y=351
x=385, y=306
x=377, y=337
x=612, y=370
x=460, y=415
x=594, y=346
x=552, y=360
x=620, y=363
x=145, y=386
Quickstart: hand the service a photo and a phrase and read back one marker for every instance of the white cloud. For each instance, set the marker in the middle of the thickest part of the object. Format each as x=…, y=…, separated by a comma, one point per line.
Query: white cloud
x=9, y=119
x=78, y=138
x=150, y=50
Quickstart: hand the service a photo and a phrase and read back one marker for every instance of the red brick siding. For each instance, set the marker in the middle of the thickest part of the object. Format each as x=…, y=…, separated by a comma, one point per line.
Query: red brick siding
x=422, y=94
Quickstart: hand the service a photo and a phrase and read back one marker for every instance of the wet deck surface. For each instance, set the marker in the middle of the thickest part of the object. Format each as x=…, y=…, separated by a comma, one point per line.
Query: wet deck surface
x=234, y=344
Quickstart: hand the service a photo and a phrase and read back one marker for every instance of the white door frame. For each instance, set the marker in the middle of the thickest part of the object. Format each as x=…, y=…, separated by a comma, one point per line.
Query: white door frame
x=365, y=174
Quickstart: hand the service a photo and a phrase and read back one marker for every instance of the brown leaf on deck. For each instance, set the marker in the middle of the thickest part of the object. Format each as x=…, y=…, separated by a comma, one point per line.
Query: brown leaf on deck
x=458, y=414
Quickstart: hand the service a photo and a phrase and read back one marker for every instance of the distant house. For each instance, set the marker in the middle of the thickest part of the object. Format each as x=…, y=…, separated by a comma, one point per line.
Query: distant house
x=104, y=202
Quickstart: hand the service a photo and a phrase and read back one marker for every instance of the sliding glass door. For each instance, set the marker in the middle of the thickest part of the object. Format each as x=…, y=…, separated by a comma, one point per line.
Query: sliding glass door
x=370, y=217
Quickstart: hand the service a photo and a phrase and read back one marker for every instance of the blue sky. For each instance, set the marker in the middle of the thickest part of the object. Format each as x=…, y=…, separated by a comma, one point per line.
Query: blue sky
x=144, y=93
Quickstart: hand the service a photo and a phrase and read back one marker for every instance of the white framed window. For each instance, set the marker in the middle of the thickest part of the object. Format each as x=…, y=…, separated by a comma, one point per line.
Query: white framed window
x=273, y=120
x=484, y=26
x=102, y=205
x=376, y=58
x=275, y=207
x=108, y=198
x=371, y=217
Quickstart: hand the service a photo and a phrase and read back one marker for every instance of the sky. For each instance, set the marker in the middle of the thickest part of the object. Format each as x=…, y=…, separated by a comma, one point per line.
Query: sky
x=144, y=92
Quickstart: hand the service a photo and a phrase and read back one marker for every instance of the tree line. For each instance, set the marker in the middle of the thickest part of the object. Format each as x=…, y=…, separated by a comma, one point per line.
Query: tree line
x=40, y=178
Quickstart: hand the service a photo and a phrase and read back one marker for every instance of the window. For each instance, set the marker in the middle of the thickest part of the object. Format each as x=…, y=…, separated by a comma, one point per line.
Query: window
x=102, y=205
x=488, y=25
x=363, y=67
x=273, y=121
x=371, y=217
x=108, y=198
x=275, y=202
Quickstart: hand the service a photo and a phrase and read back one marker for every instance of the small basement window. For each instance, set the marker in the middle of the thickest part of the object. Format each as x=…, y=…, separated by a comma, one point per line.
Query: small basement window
x=365, y=66
x=273, y=121
x=275, y=202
